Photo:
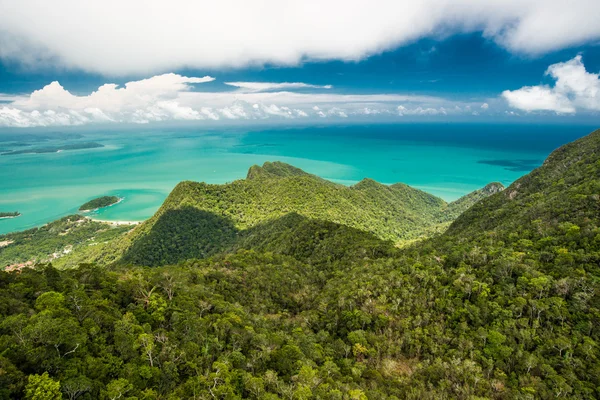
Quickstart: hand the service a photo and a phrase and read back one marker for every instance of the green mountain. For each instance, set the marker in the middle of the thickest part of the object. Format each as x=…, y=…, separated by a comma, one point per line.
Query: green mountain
x=198, y=220
x=276, y=189
x=283, y=305
x=564, y=189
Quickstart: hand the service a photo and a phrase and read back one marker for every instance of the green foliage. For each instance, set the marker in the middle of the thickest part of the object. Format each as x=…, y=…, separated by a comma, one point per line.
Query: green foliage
x=272, y=206
x=503, y=305
x=42, y=387
x=262, y=211
x=461, y=205
x=190, y=233
x=99, y=202
x=181, y=234
x=56, y=240
x=276, y=189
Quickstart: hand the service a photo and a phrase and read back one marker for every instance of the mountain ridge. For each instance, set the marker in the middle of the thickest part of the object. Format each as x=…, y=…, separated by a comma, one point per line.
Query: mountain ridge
x=276, y=190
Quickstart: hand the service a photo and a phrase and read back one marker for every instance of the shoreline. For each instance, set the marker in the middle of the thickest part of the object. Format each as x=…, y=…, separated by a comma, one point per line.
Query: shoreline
x=11, y=217
x=115, y=223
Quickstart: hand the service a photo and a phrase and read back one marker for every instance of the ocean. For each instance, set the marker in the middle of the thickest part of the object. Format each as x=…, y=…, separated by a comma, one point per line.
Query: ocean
x=143, y=164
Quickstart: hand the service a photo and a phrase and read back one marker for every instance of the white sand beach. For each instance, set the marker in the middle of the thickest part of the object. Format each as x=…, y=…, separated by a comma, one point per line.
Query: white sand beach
x=115, y=223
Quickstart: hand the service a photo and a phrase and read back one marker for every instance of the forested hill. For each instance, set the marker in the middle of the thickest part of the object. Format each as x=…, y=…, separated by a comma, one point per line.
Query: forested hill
x=199, y=220
x=269, y=192
x=275, y=189
x=566, y=188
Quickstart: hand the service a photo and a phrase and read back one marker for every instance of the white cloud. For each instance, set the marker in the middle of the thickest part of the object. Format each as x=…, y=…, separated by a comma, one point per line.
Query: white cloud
x=170, y=97
x=265, y=86
x=485, y=106
x=402, y=110
x=574, y=89
x=149, y=36
x=109, y=96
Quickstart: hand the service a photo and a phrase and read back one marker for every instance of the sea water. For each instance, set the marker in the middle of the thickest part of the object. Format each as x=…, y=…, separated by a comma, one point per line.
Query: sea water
x=142, y=165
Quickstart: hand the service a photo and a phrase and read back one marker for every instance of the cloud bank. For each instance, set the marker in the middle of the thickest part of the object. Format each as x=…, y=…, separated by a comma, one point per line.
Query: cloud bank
x=265, y=86
x=172, y=97
x=575, y=89
x=148, y=36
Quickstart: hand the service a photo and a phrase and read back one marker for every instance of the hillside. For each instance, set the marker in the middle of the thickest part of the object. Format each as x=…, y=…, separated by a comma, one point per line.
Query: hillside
x=503, y=305
x=276, y=189
x=462, y=204
x=565, y=188
x=55, y=240
x=198, y=219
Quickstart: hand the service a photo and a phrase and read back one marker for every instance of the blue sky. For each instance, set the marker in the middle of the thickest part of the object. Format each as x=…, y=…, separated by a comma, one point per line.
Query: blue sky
x=530, y=61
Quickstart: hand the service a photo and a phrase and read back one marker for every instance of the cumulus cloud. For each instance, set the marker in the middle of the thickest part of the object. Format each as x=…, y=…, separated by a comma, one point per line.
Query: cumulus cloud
x=266, y=86
x=402, y=110
x=170, y=97
x=574, y=89
x=110, y=96
x=148, y=36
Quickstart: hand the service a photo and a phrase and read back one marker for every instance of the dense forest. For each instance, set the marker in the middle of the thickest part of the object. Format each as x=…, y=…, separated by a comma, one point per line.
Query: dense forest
x=250, y=297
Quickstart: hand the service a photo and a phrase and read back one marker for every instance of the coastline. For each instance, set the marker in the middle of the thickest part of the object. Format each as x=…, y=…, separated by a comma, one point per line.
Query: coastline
x=115, y=223
x=12, y=216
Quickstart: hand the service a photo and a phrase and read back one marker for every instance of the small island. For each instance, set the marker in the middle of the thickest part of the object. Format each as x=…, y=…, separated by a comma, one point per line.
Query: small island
x=100, y=202
x=9, y=214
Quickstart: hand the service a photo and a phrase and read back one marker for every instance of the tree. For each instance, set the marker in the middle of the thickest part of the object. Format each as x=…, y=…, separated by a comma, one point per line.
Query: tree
x=118, y=388
x=42, y=387
x=75, y=387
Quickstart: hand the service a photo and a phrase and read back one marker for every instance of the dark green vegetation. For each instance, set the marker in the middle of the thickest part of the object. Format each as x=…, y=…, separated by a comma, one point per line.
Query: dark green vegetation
x=99, y=202
x=54, y=149
x=502, y=305
x=461, y=205
x=9, y=214
x=55, y=240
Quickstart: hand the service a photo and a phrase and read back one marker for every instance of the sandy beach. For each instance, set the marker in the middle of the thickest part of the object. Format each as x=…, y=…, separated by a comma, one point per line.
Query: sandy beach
x=115, y=223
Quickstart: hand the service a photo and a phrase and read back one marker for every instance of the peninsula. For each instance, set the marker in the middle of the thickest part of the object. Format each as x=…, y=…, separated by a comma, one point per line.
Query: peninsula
x=4, y=215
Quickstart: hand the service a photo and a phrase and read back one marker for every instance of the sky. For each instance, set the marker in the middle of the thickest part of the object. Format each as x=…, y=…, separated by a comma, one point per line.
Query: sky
x=142, y=62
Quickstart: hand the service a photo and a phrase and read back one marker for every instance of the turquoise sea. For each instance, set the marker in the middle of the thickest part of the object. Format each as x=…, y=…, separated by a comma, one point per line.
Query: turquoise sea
x=143, y=164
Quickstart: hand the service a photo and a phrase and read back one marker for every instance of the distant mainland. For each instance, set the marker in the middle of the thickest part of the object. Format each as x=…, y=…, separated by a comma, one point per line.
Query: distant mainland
x=54, y=149
x=100, y=202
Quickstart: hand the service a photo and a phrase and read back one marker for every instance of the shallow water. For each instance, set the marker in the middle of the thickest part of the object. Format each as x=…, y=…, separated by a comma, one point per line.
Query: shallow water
x=143, y=165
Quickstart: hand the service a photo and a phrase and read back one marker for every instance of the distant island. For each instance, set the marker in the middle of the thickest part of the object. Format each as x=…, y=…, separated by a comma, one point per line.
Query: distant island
x=9, y=214
x=54, y=149
x=100, y=202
